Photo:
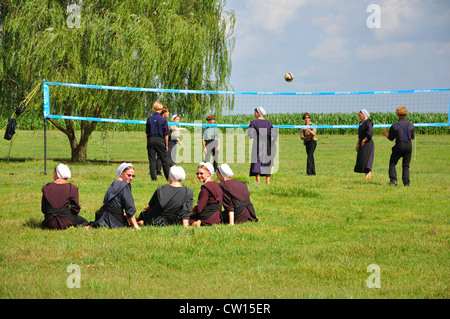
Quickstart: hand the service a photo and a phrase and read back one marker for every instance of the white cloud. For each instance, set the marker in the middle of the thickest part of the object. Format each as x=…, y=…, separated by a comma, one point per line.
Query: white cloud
x=273, y=15
x=443, y=49
x=332, y=24
x=398, y=17
x=384, y=51
x=330, y=48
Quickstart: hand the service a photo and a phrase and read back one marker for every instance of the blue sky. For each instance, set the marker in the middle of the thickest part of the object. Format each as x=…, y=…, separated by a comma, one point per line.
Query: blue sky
x=328, y=46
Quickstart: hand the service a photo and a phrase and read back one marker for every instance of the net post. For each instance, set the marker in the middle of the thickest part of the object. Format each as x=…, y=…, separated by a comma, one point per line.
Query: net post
x=449, y=108
x=45, y=146
x=46, y=110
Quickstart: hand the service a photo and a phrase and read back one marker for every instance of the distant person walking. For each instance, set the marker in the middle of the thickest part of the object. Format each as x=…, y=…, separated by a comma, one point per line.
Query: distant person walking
x=403, y=133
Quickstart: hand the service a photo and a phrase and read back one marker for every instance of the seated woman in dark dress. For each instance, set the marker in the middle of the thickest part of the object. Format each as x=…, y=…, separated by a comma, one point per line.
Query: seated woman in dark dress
x=209, y=204
x=170, y=203
x=236, y=198
x=118, y=204
x=60, y=204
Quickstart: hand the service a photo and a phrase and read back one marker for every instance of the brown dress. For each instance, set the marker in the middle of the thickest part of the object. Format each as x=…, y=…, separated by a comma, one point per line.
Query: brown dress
x=60, y=206
x=236, y=198
x=209, y=205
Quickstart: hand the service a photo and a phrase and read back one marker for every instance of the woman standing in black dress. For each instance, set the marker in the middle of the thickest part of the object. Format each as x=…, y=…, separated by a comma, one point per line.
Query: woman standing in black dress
x=365, y=146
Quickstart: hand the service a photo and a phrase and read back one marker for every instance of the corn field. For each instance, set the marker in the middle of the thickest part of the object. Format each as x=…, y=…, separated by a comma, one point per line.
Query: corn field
x=34, y=121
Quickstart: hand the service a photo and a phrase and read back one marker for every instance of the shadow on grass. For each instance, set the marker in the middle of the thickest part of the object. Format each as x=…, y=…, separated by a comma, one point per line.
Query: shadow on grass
x=33, y=223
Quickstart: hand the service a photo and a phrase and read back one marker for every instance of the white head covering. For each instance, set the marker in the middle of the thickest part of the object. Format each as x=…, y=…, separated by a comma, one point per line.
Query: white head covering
x=261, y=111
x=63, y=171
x=122, y=167
x=177, y=173
x=365, y=113
x=225, y=170
x=209, y=166
x=173, y=117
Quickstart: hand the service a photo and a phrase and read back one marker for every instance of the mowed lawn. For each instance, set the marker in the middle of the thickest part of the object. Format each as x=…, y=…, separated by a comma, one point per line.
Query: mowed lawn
x=316, y=239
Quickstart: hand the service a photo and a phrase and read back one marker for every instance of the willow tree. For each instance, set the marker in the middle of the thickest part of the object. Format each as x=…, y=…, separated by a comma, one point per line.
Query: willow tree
x=180, y=44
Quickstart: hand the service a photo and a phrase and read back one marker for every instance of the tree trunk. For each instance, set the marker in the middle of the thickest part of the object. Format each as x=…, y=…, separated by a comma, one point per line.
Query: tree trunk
x=79, y=153
x=79, y=149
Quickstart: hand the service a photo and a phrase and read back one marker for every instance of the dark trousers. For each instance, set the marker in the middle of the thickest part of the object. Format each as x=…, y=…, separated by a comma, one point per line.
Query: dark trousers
x=310, y=165
x=157, y=145
x=171, y=154
x=399, y=150
x=211, y=149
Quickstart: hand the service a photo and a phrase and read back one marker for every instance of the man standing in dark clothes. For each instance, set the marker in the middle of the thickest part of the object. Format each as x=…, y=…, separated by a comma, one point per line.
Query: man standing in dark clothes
x=403, y=133
x=157, y=132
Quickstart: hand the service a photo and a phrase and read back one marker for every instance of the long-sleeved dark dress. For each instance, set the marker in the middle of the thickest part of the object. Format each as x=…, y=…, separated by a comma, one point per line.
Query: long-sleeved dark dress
x=209, y=205
x=60, y=206
x=236, y=198
x=263, y=151
x=169, y=205
x=118, y=199
x=364, y=158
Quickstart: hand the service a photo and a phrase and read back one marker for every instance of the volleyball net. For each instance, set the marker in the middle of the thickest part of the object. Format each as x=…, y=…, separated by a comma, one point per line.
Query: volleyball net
x=426, y=101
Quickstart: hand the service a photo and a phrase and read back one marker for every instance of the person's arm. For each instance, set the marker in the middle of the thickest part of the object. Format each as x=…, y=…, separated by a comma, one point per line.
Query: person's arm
x=132, y=222
x=364, y=141
x=231, y=216
x=204, y=146
x=312, y=133
x=357, y=145
x=201, y=202
x=218, y=144
x=166, y=140
x=74, y=201
x=181, y=144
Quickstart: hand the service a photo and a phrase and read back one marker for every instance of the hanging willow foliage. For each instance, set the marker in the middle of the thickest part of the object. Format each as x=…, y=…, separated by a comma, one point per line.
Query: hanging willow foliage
x=179, y=44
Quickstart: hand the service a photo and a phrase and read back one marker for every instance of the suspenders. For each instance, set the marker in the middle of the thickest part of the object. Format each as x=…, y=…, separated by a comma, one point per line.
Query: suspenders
x=405, y=132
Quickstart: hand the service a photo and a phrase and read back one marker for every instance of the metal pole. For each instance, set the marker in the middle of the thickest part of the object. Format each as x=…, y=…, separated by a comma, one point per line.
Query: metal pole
x=107, y=150
x=45, y=146
x=46, y=100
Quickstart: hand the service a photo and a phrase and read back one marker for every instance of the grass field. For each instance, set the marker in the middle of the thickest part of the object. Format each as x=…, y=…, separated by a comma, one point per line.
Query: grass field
x=316, y=238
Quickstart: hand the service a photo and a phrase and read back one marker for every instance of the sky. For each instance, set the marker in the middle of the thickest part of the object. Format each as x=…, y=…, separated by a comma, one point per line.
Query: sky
x=340, y=45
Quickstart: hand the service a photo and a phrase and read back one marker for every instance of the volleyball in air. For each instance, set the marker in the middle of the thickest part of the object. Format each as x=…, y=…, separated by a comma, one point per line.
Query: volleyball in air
x=289, y=77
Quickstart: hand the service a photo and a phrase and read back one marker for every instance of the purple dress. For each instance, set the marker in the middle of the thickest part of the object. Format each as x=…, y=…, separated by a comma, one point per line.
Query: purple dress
x=365, y=155
x=60, y=206
x=236, y=198
x=209, y=205
x=263, y=150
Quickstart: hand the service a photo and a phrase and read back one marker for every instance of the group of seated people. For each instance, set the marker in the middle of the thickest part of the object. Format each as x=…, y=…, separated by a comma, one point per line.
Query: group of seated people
x=171, y=204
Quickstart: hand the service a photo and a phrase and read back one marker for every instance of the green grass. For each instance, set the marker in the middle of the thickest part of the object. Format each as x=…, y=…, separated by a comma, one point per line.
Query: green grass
x=316, y=238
